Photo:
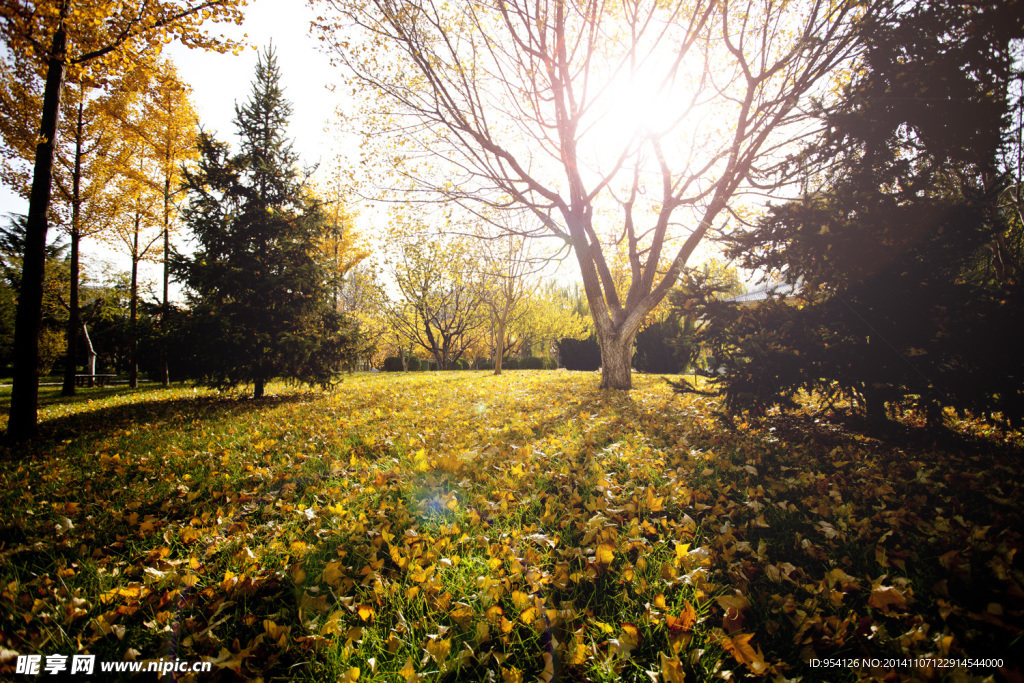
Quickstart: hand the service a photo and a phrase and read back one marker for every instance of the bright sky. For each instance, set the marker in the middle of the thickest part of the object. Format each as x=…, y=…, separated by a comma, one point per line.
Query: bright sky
x=221, y=80
x=218, y=81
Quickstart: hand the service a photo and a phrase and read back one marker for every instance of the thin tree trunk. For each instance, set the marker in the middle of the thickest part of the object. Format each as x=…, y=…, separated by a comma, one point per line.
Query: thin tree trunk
x=74, y=317
x=257, y=391
x=165, y=370
x=874, y=410
x=500, y=346
x=25, y=390
x=133, y=308
x=90, y=352
x=74, y=312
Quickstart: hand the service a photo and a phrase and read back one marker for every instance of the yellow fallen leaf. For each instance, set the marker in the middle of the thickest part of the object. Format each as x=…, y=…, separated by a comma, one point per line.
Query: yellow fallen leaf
x=408, y=671
x=885, y=596
x=438, y=649
x=672, y=670
x=740, y=647
x=334, y=572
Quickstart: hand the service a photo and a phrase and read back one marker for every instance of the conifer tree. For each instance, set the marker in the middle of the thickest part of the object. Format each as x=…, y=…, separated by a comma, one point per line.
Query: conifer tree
x=893, y=308
x=261, y=303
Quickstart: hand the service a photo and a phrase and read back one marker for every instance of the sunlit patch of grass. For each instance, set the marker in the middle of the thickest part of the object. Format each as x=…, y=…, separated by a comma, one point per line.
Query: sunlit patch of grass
x=461, y=526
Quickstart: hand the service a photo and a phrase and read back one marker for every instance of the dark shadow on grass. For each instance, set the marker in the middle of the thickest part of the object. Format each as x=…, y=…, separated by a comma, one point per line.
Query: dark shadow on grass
x=90, y=425
x=922, y=440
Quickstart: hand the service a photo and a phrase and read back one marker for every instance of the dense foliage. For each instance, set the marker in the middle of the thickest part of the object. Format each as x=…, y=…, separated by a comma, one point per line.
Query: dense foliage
x=579, y=354
x=900, y=256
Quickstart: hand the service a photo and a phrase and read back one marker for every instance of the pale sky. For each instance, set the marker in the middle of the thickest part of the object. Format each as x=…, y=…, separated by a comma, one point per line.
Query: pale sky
x=218, y=81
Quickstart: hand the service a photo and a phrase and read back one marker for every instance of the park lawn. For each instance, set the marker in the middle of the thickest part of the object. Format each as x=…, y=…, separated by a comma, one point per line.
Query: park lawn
x=461, y=526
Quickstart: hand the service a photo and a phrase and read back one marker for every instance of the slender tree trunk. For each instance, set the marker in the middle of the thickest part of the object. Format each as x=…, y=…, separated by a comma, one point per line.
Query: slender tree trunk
x=74, y=317
x=133, y=308
x=500, y=346
x=165, y=370
x=257, y=391
x=25, y=390
x=874, y=410
x=74, y=312
x=90, y=352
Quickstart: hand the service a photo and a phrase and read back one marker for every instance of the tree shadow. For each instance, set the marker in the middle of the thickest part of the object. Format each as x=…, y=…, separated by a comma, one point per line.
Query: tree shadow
x=92, y=425
x=926, y=442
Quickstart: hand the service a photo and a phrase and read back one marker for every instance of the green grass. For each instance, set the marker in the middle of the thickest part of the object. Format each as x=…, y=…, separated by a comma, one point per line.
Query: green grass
x=460, y=526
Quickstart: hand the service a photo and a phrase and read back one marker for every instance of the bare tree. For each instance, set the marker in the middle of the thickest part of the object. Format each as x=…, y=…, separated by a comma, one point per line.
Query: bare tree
x=627, y=127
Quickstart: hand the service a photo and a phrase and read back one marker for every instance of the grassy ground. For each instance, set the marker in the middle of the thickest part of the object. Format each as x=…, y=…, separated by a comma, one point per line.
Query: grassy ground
x=458, y=526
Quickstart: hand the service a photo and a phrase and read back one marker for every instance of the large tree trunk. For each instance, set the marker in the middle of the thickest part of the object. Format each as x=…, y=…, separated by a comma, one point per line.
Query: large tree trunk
x=25, y=390
x=616, y=360
x=257, y=391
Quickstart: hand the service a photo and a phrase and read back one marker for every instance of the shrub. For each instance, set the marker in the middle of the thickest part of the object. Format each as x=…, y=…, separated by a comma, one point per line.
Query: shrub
x=580, y=354
x=486, y=364
x=655, y=348
x=393, y=364
x=532, y=363
x=414, y=363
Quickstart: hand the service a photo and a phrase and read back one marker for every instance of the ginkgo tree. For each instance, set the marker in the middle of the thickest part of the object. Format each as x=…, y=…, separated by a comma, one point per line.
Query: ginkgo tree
x=86, y=165
x=628, y=125
x=100, y=35
x=439, y=303
x=136, y=224
x=85, y=161
x=507, y=269
x=167, y=130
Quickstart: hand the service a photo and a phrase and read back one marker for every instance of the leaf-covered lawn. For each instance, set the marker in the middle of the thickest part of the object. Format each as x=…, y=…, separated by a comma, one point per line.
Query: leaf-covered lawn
x=460, y=526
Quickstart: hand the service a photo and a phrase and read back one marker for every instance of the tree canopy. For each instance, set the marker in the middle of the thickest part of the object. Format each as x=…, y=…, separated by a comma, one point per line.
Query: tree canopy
x=620, y=126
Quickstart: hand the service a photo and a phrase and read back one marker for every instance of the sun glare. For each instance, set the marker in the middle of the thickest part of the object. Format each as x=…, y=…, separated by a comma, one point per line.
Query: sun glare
x=638, y=105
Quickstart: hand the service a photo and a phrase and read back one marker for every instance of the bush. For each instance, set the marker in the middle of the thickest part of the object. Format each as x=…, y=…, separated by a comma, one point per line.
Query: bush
x=461, y=364
x=655, y=348
x=510, y=364
x=550, y=364
x=580, y=354
x=486, y=364
x=532, y=363
x=414, y=363
x=393, y=364
x=430, y=365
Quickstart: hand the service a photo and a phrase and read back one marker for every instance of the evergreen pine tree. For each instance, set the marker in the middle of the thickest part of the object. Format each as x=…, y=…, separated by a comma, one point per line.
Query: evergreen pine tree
x=260, y=304
x=893, y=309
